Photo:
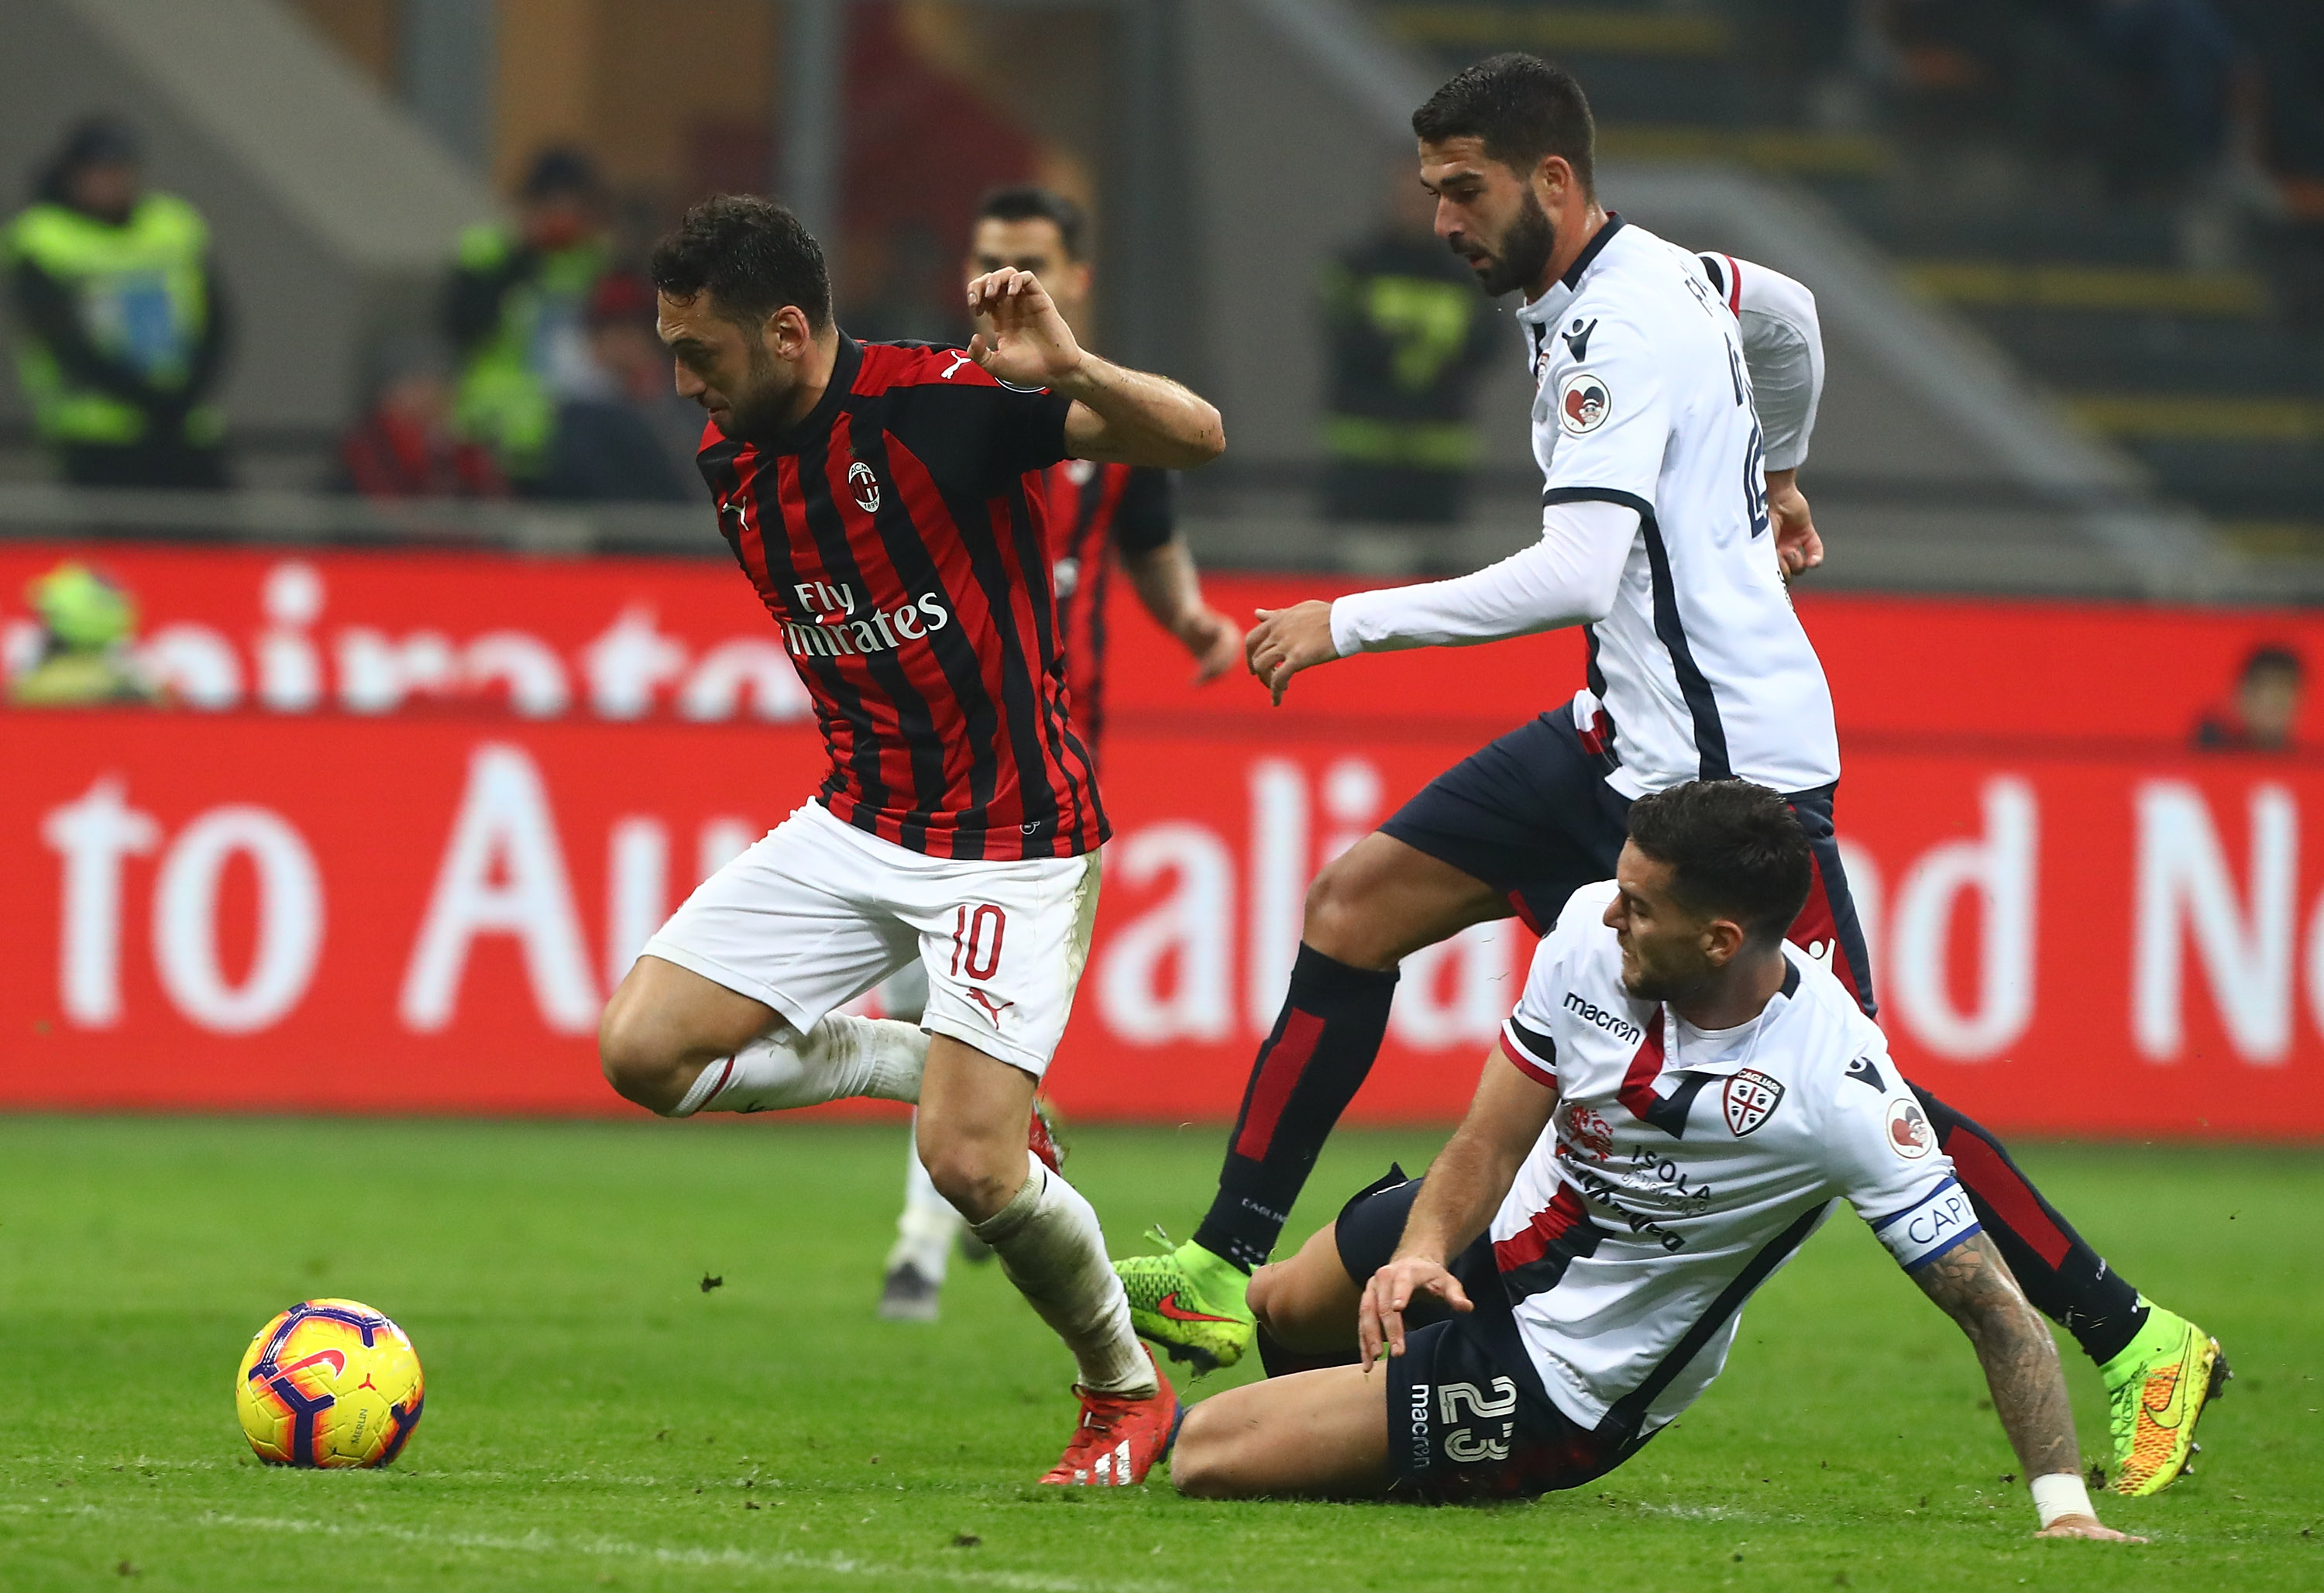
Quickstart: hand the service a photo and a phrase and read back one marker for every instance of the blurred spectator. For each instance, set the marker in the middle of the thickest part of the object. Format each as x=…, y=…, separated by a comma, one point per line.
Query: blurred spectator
x=405, y=446
x=635, y=442
x=514, y=311
x=122, y=329
x=1408, y=335
x=86, y=626
x=2266, y=707
x=2193, y=59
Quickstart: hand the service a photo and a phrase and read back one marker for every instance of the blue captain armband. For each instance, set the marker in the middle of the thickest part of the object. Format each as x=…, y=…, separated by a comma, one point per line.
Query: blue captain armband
x=1922, y=1232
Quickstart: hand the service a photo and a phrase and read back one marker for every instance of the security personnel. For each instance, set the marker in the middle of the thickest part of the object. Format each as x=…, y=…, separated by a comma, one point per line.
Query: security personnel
x=515, y=309
x=122, y=327
x=1407, y=336
x=88, y=626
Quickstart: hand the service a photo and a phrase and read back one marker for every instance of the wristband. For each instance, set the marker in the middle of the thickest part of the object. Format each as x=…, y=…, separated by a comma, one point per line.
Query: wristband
x=2060, y=1493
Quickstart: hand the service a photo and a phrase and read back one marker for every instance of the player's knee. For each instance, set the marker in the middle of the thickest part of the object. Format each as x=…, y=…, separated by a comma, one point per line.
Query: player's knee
x=1201, y=1461
x=636, y=1058
x=1338, y=920
x=977, y=1180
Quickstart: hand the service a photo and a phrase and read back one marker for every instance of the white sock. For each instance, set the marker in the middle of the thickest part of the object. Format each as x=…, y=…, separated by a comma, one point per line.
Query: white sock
x=839, y=1058
x=1049, y=1245
x=928, y=1225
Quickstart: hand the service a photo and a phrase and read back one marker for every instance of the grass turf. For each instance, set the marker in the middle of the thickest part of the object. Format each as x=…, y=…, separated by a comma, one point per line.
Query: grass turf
x=595, y=1417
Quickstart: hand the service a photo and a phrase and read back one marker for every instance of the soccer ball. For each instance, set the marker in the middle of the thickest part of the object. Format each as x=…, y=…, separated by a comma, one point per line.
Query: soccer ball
x=329, y=1382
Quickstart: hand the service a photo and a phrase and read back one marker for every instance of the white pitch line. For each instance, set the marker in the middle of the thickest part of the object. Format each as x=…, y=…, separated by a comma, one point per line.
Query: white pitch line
x=536, y=1542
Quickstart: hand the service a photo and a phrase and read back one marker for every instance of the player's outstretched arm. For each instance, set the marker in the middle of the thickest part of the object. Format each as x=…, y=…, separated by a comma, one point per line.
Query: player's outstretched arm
x=1973, y=1286
x=1172, y=591
x=1572, y=576
x=1120, y=416
x=1463, y=1189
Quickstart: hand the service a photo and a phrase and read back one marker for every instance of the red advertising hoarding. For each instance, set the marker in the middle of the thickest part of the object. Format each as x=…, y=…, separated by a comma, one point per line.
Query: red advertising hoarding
x=415, y=813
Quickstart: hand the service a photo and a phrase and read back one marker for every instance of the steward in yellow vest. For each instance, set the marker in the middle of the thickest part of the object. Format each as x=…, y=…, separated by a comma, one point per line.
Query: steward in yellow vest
x=1407, y=336
x=121, y=330
x=515, y=309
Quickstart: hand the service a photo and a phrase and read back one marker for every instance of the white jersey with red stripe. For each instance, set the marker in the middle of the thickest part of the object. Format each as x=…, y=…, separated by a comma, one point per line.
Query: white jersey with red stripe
x=1644, y=398
x=1683, y=1167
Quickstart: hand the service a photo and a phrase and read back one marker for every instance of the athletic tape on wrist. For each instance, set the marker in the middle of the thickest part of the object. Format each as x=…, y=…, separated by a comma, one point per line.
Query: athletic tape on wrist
x=2060, y=1493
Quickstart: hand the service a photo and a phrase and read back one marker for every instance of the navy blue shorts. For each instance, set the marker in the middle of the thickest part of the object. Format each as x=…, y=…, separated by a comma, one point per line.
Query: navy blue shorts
x=1467, y=1417
x=1531, y=815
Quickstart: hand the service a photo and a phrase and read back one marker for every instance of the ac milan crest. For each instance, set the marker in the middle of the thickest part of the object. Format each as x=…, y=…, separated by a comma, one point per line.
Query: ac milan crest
x=1750, y=1098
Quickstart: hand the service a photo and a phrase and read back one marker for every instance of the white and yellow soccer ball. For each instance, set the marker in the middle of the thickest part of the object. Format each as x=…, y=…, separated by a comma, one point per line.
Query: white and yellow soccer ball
x=329, y=1382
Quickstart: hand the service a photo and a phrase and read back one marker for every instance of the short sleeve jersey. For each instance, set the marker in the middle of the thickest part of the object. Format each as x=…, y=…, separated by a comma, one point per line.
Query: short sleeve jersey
x=1095, y=510
x=1643, y=397
x=898, y=535
x=1682, y=1167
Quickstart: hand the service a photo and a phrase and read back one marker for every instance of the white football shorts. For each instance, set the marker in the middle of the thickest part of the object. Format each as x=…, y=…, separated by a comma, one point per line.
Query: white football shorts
x=819, y=911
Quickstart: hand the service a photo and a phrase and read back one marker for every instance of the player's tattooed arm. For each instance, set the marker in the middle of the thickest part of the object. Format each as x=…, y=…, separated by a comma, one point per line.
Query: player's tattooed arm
x=1463, y=1189
x=1974, y=1286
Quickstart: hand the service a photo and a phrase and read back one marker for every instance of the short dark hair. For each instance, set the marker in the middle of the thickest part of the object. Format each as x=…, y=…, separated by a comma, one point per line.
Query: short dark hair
x=1523, y=108
x=1734, y=848
x=1028, y=201
x=2273, y=658
x=563, y=171
x=750, y=255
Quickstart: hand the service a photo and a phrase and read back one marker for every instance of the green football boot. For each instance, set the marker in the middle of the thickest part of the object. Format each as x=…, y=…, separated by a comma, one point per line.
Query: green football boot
x=2159, y=1387
x=1190, y=1302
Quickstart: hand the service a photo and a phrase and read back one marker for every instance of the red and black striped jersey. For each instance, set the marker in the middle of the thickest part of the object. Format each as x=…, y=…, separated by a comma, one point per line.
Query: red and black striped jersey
x=898, y=536
x=1093, y=509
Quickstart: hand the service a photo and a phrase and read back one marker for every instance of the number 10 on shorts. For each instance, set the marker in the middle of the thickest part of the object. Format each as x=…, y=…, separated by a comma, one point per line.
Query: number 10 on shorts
x=977, y=929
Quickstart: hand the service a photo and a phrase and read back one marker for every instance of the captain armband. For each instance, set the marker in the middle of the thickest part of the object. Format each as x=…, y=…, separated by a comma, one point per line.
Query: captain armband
x=1922, y=1232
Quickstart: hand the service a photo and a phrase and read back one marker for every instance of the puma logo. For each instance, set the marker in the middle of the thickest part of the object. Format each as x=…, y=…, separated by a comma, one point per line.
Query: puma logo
x=992, y=1009
x=960, y=358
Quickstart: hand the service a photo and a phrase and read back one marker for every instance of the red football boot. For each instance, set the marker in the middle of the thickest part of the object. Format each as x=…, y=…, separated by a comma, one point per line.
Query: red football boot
x=1120, y=1437
x=1041, y=1137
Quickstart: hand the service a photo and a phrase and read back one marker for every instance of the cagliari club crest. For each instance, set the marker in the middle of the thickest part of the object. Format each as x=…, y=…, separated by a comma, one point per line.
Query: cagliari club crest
x=1751, y=1099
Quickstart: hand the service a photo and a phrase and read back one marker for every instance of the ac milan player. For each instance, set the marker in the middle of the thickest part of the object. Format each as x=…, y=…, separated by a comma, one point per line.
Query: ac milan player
x=1099, y=514
x=1659, y=537
x=883, y=500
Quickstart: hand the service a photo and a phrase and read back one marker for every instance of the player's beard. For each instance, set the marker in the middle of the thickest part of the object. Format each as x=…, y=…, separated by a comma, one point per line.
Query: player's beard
x=1525, y=251
x=755, y=410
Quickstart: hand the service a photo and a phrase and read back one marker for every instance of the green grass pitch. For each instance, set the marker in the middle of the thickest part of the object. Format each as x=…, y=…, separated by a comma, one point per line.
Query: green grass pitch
x=596, y=1419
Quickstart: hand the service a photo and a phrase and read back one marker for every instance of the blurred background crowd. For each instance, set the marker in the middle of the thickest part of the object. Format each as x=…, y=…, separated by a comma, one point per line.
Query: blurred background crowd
x=414, y=273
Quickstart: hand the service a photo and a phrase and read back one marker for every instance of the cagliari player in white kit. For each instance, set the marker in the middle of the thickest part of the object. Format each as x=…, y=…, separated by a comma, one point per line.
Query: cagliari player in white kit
x=1679, y=1100
x=1668, y=527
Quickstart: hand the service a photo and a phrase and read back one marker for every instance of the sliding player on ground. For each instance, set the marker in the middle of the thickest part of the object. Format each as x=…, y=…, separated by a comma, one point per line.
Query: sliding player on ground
x=1677, y=1102
x=1099, y=514
x=1656, y=531
x=883, y=500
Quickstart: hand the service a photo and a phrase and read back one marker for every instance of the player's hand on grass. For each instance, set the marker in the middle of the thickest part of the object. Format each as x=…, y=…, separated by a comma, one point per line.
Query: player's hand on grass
x=2086, y=1527
x=1287, y=641
x=1379, y=1317
x=1215, y=640
x=1798, y=548
x=1021, y=338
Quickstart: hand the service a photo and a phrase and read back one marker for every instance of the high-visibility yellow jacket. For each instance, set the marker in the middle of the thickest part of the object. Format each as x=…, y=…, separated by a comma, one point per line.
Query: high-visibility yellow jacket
x=516, y=313
x=118, y=324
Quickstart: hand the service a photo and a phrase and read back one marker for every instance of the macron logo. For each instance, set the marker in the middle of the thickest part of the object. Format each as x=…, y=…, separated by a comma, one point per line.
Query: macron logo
x=1614, y=1023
